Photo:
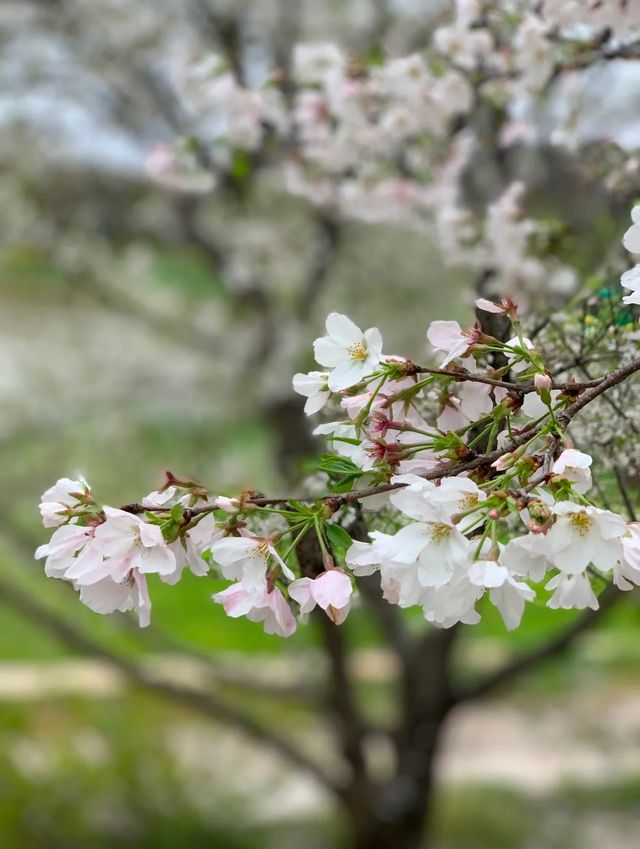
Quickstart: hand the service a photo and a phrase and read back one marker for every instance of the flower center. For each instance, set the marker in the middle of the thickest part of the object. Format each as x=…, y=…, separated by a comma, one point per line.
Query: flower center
x=440, y=531
x=357, y=351
x=581, y=523
x=261, y=550
x=468, y=501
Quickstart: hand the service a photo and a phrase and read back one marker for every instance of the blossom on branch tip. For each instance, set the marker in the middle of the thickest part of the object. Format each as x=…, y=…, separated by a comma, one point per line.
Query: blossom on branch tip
x=59, y=499
x=331, y=591
x=350, y=354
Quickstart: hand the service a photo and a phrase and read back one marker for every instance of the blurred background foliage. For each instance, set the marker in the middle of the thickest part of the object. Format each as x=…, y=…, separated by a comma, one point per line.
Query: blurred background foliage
x=143, y=331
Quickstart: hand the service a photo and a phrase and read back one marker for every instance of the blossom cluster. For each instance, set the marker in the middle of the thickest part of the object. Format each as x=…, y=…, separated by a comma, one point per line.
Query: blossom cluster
x=466, y=468
x=393, y=139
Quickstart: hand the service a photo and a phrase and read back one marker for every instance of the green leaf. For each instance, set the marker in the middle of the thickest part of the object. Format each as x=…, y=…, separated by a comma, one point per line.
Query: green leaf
x=177, y=512
x=339, y=539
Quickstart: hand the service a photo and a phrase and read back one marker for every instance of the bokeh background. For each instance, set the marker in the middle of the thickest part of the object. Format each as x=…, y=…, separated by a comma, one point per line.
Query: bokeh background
x=144, y=330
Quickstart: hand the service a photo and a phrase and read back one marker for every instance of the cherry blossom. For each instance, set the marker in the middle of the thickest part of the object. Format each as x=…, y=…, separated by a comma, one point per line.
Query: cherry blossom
x=350, y=353
x=107, y=596
x=583, y=534
x=124, y=542
x=246, y=559
x=266, y=605
x=449, y=337
x=61, y=550
x=331, y=591
x=505, y=592
x=314, y=387
x=575, y=467
x=58, y=499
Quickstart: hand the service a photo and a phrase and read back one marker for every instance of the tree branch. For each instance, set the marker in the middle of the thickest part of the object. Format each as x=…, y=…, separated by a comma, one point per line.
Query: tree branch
x=336, y=501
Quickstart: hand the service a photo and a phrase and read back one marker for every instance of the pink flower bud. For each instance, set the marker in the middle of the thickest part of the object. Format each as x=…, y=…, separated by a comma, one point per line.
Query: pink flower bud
x=542, y=383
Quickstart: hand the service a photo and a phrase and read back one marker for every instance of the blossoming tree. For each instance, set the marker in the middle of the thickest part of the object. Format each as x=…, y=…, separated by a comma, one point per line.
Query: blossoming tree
x=475, y=478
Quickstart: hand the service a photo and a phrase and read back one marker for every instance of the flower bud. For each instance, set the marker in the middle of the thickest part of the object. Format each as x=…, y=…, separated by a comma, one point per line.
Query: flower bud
x=539, y=512
x=543, y=384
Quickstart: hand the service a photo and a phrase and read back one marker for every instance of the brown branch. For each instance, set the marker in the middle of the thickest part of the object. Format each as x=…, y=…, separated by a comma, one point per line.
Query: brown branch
x=205, y=703
x=336, y=501
x=556, y=646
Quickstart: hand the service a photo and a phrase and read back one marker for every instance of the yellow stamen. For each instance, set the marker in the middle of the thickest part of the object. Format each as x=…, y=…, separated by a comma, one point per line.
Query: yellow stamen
x=581, y=523
x=358, y=351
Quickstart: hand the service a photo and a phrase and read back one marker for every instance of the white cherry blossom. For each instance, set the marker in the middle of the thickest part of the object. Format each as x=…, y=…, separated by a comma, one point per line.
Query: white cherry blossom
x=246, y=560
x=584, y=534
x=505, y=592
x=574, y=466
x=314, y=387
x=348, y=352
x=107, y=596
x=57, y=500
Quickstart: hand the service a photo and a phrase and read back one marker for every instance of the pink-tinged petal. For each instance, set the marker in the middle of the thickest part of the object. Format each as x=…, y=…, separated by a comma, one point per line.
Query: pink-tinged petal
x=475, y=400
x=107, y=596
x=300, y=591
x=338, y=614
x=157, y=560
x=342, y=329
x=115, y=513
x=444, y=334
x=488, y=306
x=282, y=621
x=273, y=551
x=332, y=588
x=235, y=600
x=143, y=601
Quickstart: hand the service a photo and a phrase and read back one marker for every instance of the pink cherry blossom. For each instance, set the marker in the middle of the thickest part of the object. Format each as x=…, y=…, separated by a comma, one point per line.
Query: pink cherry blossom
x=331, y=591
x=449, y=337
x=266, y=605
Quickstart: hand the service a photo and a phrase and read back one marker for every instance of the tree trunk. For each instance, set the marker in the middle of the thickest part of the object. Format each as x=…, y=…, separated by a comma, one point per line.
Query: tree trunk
x=397, y=815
